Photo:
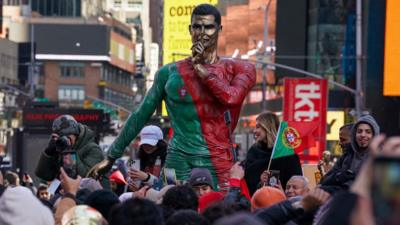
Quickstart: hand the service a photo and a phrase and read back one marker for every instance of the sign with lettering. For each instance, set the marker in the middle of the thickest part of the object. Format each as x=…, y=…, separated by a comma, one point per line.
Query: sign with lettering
x=176, y=38
x=35, y=118
x=305, y=100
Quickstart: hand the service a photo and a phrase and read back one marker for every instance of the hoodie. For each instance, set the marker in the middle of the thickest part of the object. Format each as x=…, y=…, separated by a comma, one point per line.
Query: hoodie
x=19, y=206
x=342, y=175
x=360, y=157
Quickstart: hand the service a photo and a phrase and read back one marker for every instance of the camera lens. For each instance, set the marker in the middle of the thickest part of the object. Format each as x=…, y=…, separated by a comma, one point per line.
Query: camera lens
x=62, y=143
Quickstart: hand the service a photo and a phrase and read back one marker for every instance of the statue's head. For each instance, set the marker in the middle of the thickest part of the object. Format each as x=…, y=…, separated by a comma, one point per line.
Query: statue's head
x=205, y=25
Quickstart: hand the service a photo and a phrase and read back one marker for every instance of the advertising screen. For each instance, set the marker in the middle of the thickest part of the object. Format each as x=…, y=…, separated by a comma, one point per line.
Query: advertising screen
x=391, y=83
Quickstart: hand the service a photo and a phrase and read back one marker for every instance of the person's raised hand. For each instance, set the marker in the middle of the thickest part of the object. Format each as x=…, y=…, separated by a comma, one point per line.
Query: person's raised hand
x=69, y=184
x=314, y=199
x=51, y=146
x=141, y=193
x=137, y=174
x=101, y=168
x=379, y=146
x=237, y=171
x=264, y=177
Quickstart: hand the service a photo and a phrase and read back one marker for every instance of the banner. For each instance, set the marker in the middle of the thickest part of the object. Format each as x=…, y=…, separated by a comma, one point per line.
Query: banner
x=176, y=38
x=305, y=100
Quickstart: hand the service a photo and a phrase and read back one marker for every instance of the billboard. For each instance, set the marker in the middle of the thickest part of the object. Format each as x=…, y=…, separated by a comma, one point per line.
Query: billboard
x=305, y=100
x=176, y=37
x=391, y=82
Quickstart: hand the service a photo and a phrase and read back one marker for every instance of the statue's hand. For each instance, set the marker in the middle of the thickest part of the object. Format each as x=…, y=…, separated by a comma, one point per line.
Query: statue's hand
x=198, y=53
x=101, y=168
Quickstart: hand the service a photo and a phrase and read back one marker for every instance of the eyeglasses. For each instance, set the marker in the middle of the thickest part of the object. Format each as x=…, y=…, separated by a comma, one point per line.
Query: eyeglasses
x=205, y=26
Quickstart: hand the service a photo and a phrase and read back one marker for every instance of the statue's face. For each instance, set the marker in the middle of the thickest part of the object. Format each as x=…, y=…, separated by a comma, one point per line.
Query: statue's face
x=204, y=29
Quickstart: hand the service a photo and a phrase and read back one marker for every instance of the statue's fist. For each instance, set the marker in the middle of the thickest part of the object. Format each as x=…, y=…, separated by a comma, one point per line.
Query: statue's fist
x=101, y=168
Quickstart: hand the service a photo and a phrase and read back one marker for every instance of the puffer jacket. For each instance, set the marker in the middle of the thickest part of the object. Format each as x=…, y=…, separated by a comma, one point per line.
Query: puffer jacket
x=88, y=154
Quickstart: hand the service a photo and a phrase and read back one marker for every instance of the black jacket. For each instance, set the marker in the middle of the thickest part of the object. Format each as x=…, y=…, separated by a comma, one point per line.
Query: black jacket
x=257, y=161
x=342, y=175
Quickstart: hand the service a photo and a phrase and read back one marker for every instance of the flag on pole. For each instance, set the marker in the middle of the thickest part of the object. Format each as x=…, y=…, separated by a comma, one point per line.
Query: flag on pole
x=293, y=137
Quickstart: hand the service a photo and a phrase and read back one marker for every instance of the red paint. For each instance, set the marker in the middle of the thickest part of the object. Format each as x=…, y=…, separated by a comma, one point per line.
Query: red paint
x=225, y=89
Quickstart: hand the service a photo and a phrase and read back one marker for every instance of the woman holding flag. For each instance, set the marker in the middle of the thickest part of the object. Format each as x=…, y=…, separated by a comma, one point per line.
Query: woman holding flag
x=259, y=155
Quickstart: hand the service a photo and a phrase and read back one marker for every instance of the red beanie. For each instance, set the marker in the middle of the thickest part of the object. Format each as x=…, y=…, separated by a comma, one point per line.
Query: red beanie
x=208, y=199
x=117, y=177
x=266, y=197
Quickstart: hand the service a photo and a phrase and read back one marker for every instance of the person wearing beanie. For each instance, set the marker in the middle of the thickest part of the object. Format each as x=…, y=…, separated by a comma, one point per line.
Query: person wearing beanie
x=103, y=201
x=201, y=181
x=19, y=206
x=68, y=136
x=266, y=197
x=343, y=173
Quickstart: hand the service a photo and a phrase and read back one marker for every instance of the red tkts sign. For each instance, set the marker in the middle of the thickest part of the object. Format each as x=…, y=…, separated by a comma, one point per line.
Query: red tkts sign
x=305, y=100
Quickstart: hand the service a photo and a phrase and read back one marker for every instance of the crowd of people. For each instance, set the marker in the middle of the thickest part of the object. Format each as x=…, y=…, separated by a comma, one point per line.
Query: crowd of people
x=194, y=179
x=138, y=190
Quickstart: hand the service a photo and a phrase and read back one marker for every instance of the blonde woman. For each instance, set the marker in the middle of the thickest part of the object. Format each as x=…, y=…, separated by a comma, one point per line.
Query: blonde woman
x=259, y=154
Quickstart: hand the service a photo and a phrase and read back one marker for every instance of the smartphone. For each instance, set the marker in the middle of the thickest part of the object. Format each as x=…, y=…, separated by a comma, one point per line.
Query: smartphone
x=55, y=184
x=273, y=178
x=169, y=176
x=135, y=164
x=385, y=190
x=69, y=163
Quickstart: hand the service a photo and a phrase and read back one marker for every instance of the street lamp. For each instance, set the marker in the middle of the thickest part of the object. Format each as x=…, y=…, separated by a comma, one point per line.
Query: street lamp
x=266, y=53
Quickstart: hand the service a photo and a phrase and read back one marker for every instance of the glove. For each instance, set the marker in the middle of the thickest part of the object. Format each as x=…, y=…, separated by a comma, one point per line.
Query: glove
x=344, y=176
x=51, y=147
x=101, y=168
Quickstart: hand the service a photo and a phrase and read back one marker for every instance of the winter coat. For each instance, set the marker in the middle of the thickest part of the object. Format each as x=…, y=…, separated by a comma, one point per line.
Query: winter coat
x=88, y=154
x=283, y=213
x=343, y=173
x=257, y=161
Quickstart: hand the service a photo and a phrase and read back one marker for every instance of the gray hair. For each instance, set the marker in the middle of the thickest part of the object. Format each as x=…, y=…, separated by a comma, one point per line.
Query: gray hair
x=303, y=178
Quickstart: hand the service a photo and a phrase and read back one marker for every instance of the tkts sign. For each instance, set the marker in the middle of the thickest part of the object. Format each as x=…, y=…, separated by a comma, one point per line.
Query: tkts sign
x=305, y=100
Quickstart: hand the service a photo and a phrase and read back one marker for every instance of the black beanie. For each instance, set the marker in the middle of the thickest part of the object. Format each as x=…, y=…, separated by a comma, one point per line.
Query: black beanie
x=102, y=201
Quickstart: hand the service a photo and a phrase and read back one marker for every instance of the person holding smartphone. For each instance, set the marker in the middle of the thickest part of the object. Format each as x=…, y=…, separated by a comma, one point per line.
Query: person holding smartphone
x=259, y=154
x=151, y=156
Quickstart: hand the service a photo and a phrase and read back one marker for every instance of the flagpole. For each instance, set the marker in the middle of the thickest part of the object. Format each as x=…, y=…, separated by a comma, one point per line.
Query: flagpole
x=273, y=149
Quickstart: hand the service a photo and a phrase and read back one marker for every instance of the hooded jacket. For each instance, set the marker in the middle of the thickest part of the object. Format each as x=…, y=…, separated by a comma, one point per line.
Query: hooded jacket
x=349, y=164
x=19, y=206
x=88, y=154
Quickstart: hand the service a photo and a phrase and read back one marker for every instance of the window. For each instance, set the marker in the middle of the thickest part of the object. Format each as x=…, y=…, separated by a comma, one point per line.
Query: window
x=117, y=3
x=72, y=69
x=71, y=93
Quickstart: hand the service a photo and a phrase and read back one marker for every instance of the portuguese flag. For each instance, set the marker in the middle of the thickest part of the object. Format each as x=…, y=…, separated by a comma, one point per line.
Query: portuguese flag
x=293, y=137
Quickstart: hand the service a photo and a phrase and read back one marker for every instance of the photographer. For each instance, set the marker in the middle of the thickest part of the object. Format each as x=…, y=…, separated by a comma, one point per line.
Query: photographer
x=71, y=146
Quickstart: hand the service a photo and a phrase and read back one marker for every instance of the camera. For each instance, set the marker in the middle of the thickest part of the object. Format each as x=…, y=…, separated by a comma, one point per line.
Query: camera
x=63, y=144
